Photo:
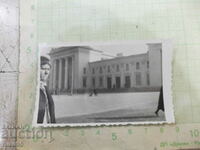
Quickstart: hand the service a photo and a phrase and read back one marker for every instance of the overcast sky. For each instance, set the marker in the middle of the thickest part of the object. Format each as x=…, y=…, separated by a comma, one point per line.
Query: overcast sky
x=125, y=49
x=114, y=49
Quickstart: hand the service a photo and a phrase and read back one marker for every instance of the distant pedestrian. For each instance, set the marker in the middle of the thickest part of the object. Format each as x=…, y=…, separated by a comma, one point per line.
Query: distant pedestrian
x=93, y=91
x=160, y=102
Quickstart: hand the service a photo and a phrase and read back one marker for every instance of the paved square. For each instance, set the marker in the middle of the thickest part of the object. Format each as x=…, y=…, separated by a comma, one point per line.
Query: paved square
x=107, y=107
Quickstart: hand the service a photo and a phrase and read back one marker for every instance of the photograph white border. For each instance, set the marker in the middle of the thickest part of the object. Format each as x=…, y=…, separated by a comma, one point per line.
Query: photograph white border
x=167, y=49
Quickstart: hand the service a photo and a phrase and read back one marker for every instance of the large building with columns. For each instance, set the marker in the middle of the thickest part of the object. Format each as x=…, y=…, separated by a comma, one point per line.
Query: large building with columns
x=73, y=72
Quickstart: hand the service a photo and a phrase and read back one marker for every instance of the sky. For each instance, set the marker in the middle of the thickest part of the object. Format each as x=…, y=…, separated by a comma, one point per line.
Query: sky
x=126, y=49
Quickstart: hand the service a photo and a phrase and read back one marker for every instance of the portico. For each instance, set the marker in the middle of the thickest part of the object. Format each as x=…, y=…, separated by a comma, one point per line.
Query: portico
x=61, y=79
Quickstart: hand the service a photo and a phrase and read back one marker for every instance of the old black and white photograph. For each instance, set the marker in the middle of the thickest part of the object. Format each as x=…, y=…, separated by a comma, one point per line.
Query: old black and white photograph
x=104, y=83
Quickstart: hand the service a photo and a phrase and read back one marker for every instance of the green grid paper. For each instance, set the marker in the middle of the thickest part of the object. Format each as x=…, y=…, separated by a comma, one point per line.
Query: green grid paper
x=93, y=20
x=52, y=21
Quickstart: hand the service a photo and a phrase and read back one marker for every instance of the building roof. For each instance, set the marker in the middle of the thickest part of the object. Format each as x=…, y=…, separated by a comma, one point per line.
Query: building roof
x=61, y=49
x=118, y=58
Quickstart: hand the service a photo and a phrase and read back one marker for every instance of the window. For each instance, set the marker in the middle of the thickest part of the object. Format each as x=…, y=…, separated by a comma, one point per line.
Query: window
x=117, y=69
x=84, y=82
x=138, y=78
x=93, y=70
x=100, y=81
x=57, y=73
x=108, y=68
x=127, y=67
x=100, y=70
x=147, y=64
x=113, y=66
x=137, y=65
x=84, y=70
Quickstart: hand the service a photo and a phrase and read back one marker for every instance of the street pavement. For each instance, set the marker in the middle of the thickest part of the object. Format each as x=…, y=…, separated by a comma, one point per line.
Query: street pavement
x=109, y=107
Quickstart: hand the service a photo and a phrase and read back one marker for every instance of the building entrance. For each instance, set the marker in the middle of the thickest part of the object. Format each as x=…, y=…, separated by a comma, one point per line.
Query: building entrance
x=109, y=82
x=118, y=83
x=127, y=82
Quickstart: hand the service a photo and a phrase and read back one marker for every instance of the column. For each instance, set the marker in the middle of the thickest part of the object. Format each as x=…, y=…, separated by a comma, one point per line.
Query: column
x=132, y=79
x=51, y=77
x=72, y=83
x=105, y=81
x=66, y=73
x=60, y=74
x=144, y=78
x=122, y=80
x=54, y=74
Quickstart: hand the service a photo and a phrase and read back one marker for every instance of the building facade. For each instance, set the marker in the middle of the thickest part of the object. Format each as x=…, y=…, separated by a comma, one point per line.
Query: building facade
x=72, y=71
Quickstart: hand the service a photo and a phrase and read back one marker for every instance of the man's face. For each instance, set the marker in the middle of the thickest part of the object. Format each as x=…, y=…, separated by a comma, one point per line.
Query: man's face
x=44, y=72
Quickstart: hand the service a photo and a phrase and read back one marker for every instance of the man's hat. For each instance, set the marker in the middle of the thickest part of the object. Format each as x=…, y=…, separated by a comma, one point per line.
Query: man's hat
x=44, y=60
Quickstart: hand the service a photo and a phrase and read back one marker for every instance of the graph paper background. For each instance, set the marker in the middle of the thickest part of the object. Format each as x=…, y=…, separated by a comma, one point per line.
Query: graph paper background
x=53, y=21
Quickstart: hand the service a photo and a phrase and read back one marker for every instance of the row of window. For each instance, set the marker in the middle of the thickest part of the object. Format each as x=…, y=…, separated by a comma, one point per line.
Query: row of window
x=117, y=68
x=127, y=84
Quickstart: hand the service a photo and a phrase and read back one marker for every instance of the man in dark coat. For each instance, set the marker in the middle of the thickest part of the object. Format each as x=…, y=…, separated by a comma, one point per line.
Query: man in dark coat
x=46, y=112
x=160, y=102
